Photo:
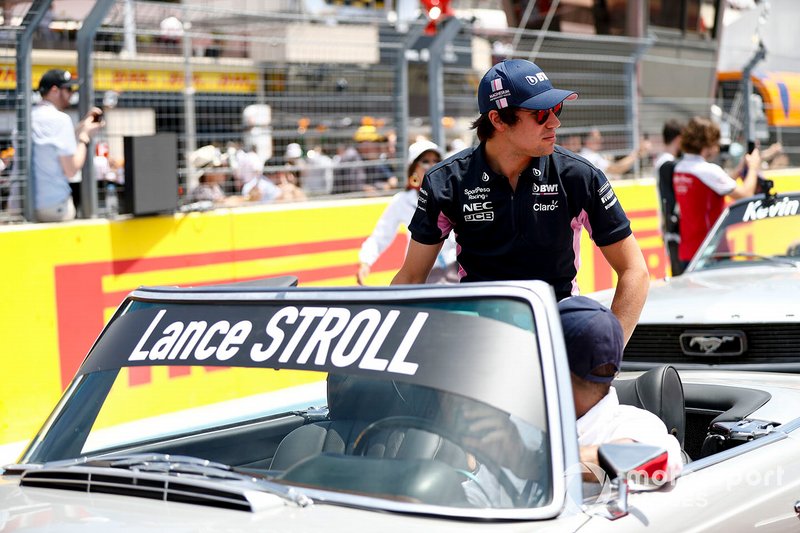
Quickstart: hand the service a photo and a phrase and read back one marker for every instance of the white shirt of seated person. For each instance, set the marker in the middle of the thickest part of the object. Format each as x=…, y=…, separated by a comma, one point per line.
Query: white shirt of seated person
x=610, y=421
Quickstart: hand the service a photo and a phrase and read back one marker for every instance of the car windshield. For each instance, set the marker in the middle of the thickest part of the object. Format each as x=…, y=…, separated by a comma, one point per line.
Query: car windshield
x=755, y=232
x=436, y=404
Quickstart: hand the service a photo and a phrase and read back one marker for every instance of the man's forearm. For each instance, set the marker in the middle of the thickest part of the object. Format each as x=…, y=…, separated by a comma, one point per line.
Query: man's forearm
x=407, y=278
x=633, y=281
x=81, y=152
x=418, y=263
x=629, y=298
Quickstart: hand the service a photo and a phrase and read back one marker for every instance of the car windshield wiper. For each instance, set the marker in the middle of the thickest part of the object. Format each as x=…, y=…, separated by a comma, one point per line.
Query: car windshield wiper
x=183, y=465
x=751, y=255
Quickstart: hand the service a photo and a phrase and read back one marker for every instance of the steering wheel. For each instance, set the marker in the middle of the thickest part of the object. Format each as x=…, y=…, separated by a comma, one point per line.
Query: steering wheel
x=414, y=422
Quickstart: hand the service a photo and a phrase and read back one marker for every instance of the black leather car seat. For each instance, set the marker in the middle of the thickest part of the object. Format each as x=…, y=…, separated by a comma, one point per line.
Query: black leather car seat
x=659, y=390
x=353, y=404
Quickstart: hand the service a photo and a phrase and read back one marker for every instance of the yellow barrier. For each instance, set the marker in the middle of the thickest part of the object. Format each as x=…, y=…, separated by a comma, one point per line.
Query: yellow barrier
x=63, y=281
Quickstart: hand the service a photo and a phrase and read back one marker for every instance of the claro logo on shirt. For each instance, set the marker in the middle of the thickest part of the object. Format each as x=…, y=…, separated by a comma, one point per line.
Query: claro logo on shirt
x=478, y=211
x=542, y=207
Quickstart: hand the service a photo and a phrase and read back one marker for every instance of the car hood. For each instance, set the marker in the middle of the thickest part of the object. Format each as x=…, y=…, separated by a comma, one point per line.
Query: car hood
x=724, y=296
x=27, y=509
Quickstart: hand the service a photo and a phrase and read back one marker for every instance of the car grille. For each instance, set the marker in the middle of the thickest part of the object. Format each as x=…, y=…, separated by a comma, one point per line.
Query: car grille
x=138, y=485
x=766, y=343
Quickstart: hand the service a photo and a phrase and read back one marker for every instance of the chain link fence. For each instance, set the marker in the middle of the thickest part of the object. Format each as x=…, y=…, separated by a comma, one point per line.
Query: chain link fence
x=8, y=98
x=327, y=102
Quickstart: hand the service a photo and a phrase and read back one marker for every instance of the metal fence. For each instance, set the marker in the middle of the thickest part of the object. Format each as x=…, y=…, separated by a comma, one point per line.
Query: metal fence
x=8, y=95
x=348, y=87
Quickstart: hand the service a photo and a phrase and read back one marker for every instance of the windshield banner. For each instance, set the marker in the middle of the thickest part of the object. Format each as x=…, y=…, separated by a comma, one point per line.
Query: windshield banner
x=463, y=353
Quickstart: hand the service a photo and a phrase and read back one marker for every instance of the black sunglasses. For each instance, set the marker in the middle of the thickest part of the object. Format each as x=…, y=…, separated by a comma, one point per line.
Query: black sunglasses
x=541, y=115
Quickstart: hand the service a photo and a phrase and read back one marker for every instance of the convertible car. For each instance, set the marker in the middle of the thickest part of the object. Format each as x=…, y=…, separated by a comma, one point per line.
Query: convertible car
x=448, y=408
x=737, y=305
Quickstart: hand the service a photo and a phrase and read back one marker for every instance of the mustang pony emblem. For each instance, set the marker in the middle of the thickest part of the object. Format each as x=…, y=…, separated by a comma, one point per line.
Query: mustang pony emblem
x=709, y=344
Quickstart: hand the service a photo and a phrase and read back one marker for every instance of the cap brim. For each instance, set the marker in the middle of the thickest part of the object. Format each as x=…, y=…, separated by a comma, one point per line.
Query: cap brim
x=599, y=379
x=548, y=99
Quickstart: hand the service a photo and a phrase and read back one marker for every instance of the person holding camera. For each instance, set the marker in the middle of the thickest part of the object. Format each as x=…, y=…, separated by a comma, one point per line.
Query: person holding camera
x=59, y=148
x=701, y=185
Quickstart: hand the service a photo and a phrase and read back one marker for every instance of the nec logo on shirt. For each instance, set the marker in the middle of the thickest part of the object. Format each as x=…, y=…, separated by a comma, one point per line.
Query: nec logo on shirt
x=478, y=212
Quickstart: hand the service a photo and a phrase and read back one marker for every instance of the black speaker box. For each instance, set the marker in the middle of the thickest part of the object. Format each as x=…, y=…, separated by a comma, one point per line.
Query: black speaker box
x=151, y=174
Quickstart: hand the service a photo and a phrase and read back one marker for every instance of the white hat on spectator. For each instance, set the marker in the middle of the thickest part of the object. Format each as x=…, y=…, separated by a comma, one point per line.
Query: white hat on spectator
x=419, y=148
x=171, y=27
x=207, y=156
x=293, y=151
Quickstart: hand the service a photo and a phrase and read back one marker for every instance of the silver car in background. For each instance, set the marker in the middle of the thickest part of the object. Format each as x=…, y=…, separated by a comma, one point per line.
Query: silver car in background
x=737, y=306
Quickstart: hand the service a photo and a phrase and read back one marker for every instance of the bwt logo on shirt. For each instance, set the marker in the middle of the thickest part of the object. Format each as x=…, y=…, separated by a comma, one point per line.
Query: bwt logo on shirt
x=478, y=211
x=545, y=189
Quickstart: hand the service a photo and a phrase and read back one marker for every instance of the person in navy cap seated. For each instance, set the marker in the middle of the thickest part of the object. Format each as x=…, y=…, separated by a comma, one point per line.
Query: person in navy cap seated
x=594, y=345
x=517, y=201
x=593, y=337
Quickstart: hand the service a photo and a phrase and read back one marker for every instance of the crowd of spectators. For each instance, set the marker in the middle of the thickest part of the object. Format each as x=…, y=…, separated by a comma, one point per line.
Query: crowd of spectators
x=236, y=175
x=370, y=164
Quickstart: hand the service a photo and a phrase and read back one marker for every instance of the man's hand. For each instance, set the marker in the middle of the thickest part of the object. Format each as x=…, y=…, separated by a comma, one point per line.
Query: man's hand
x=90, y=125
x=591, y=460
x=363, y=272
x=495, y=436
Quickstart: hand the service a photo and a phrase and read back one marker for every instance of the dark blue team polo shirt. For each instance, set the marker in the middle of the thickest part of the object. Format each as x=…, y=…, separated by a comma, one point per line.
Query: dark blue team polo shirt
x=530, y=233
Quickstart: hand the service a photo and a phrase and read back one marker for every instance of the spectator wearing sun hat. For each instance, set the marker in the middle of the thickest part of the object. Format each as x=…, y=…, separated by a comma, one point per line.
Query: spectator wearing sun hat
x=517, y=202
x=256, y=187
x=422, y=155
x=213, y=169
x=315, y=169
x=59, y=148
x=293, y=157
x=363, y=167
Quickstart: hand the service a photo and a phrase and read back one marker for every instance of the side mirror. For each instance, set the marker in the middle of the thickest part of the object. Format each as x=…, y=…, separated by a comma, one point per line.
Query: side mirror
x=636, y=464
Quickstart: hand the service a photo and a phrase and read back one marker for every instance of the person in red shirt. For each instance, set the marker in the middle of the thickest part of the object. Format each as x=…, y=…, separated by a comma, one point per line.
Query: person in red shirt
x=701, y=186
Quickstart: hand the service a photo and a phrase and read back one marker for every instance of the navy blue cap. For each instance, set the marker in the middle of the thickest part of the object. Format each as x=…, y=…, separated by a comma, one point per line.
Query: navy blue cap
x=593, y=336
x=519, y=83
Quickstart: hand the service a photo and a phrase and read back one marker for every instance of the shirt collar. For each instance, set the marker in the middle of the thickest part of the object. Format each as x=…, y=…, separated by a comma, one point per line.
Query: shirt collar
x=597, y=413
x=529, y=172
x=483, y=165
